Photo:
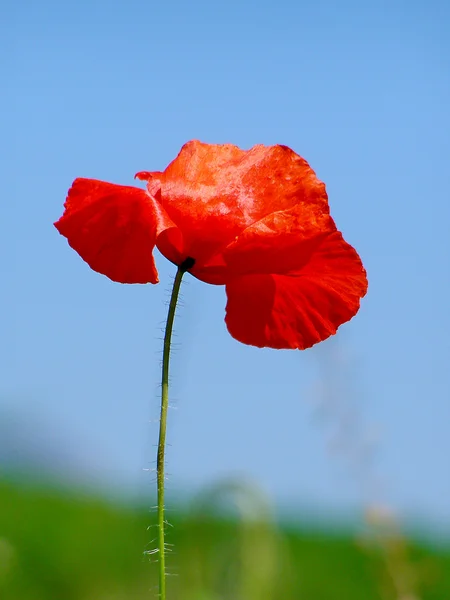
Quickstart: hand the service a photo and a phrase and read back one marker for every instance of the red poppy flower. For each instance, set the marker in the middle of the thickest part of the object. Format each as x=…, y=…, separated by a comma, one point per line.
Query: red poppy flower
x=256, y=221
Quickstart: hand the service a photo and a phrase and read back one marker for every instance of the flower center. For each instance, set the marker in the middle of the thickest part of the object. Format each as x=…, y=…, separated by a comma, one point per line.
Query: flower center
x=187, y=264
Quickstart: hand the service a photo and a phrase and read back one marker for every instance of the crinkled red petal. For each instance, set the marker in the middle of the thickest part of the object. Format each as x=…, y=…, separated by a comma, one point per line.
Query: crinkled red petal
x=113, y=228
x=278, y=243
x=281, y=242
x=300, y=308
x=214, y=192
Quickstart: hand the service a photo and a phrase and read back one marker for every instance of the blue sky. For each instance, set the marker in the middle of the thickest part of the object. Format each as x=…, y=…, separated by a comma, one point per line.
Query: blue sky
x=105, y=89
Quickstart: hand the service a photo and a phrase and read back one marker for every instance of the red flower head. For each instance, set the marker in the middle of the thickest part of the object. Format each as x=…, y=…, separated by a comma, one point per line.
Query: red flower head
x=256, y=221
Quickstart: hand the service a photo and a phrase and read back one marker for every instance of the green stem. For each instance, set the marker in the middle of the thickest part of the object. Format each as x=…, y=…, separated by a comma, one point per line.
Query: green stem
x=160, y=476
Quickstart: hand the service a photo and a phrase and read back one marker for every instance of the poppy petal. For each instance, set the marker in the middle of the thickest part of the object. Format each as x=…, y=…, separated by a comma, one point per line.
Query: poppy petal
x=300, y=308
x=113, y=228
x=281, y=242
x=213, y=192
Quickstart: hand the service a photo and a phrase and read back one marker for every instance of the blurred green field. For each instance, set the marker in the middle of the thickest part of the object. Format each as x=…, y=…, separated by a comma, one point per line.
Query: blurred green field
x=56, y=545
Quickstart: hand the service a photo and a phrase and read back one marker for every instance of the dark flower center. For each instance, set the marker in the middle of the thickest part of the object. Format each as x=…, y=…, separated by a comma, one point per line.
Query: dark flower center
x=187, y=263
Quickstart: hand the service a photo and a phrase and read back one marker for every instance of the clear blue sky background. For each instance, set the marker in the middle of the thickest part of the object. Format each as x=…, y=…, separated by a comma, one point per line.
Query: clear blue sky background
x=104, y=89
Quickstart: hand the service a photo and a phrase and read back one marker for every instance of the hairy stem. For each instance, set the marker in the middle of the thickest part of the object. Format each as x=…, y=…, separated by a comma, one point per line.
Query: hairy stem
x=162, y=431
